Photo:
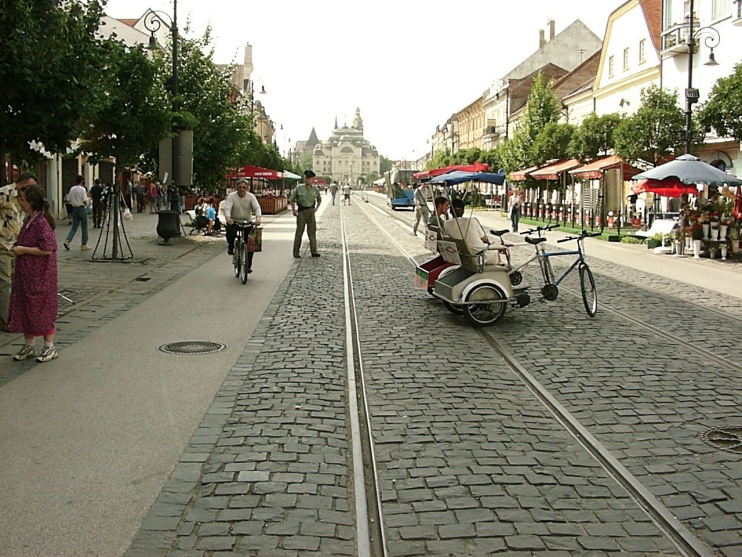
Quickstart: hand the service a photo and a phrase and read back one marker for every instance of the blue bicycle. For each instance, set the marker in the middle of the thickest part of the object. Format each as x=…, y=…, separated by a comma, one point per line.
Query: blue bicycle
x=550, y=289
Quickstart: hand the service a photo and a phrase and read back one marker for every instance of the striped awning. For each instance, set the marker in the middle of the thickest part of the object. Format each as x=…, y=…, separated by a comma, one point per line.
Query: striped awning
x=553, y=171
x=595, y=170
x=521, y=175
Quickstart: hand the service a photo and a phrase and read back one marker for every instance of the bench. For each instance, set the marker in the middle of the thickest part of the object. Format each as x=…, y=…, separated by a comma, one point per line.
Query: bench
x=659, y=226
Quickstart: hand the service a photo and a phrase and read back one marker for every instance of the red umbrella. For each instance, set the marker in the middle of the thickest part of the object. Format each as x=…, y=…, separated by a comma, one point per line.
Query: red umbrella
x=665, y=188
x=474, y=167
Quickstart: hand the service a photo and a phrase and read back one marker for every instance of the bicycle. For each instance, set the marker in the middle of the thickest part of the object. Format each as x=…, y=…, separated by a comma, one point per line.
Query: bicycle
x=550, y=290
x=239, y=257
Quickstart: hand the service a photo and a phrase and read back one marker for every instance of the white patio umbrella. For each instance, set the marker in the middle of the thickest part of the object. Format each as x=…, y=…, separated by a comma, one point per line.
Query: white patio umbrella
x=690, y=170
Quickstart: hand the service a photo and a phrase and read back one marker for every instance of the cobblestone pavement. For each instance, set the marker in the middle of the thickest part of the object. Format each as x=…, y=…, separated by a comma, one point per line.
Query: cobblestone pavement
x=469, y=462
x=100, y=291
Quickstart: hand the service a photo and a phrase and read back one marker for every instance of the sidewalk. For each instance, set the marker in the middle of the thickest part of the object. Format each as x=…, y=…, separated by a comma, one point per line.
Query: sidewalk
x=713, y=275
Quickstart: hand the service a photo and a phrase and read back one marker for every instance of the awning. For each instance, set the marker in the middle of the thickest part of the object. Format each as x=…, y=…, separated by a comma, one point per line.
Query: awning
x=291, y=175
x=595, y=170
x=380, y=182
x=457, y=177
x=553, y=171
x=474, y=167
x=521, y=175
x=256, y=172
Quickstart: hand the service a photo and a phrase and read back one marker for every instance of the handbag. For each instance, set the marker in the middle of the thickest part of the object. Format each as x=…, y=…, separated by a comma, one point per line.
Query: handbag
x=255, y=239
x=127, y=214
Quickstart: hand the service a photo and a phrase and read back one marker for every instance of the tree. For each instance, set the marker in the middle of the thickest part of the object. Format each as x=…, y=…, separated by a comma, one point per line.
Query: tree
x=542, y=108
x=654, y=131
x=594, y=137
x=553, y=141
x=133, y=115
x=50, y=65
x=385, y=164
x=722, y=112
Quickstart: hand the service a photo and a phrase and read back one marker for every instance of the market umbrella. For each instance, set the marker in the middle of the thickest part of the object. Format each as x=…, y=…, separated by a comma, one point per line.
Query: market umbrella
x=667, y=188
x=457, y=176
x=690, y=170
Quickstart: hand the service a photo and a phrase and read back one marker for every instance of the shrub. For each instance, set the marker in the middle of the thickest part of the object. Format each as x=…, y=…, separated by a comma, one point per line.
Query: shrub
x=631, y=240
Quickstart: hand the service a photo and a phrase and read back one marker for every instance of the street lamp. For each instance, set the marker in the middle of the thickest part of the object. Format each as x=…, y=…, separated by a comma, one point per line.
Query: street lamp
x=153, y=22
x=251, y=90
x=711, y=40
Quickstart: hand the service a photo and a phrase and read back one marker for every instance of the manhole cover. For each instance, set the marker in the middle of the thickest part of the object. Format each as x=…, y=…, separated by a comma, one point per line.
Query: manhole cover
x=724, y=438
x=193, y=347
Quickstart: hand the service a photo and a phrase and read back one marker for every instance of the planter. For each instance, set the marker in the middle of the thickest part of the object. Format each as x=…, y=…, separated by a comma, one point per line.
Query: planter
x=696, y=249
x=723, y=251
x=651, y=244
x=723, y=232
x=706, y=230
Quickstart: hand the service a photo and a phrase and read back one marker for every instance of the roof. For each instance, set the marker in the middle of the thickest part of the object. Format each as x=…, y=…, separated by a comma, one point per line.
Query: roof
x=553, y=171
x=595, y=169
x=653, y=15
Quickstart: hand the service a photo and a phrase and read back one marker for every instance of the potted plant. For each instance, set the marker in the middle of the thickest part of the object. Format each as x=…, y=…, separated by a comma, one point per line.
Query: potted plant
x=655, y=241
x=697, y=233
x=723, y=248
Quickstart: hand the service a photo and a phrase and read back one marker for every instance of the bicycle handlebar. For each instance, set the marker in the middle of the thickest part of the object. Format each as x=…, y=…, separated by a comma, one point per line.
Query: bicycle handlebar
x=539, y=229
x=584, y=234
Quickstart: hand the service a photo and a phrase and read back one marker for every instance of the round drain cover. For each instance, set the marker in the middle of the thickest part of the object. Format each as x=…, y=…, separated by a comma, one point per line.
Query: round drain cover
x=193, y=347
x=724, y=438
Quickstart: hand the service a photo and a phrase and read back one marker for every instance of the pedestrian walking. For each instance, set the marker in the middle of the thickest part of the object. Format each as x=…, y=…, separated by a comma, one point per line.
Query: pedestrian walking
x=11, y=220
x=333, y=191
x=78, y=198
x=421, y=207
x=152, y=197
x=308, y=198
x=346, y=194
x=514, y=209
x=96, y=194
x=140, y=193
x=33, y=300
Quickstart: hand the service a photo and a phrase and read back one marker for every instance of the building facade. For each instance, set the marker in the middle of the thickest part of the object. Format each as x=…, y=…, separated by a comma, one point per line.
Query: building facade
x=346, y=155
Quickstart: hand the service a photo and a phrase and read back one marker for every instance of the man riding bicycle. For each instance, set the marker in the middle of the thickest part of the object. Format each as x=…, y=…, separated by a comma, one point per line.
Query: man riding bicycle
x=240, y=205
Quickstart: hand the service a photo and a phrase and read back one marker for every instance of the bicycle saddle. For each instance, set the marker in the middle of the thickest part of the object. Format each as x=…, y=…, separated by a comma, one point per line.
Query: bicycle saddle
x=534, y=241
x=499, y=233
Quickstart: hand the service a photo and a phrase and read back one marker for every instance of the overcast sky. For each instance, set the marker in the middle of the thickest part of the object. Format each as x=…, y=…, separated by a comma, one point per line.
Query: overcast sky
x=407, y=64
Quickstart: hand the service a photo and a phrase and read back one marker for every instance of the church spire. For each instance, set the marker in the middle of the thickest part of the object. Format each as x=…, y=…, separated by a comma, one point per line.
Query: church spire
x=336, y=121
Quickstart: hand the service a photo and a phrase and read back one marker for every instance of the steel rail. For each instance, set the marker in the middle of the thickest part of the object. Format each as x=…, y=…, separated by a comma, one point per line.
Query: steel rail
x=371, y=539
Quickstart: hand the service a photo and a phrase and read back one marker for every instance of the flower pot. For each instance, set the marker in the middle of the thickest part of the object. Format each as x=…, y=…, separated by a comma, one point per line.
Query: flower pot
x=706, y=230
x=696, y=249
x=723, y=232
x=723, y=250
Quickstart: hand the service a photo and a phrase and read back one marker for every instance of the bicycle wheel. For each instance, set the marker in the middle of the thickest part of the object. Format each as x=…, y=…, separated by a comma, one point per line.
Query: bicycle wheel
x=456, y=309
x=243, y=262
x=589, y=292
x=493, y=305
x=236, y=258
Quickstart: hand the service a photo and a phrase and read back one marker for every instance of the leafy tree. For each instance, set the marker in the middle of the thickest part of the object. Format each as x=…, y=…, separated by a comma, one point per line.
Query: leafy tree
x=553, y=141
x=223, y=129
x=441, y=159
x=50, y=65
x=133, y=115
x=654, y=131
x=542, y=108
x=722, y=112
x=385, y=164
x=594, y=137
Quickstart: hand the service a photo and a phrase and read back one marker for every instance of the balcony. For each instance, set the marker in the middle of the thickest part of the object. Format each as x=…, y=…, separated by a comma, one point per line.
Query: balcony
x=675, y=40
x=737, y=11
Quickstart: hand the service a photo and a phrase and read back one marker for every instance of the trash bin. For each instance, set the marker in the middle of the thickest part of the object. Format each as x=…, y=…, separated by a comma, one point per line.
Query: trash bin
x=168, y=224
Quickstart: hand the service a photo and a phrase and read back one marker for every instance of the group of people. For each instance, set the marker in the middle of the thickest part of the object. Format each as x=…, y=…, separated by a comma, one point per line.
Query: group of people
x=206, y=215
x=28, y=266
x=334, y=188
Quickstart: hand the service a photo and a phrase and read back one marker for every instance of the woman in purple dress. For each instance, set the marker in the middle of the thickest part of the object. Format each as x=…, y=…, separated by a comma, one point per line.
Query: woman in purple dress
x=33, y=300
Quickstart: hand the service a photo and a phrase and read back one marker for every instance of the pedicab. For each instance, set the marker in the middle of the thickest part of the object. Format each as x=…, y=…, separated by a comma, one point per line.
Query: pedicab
x=476, y=285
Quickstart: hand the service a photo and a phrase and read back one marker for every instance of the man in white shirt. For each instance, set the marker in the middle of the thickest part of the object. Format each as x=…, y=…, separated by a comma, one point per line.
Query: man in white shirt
x=346, y=194
x=78, y=199
x=240, y=205
x=469, y=230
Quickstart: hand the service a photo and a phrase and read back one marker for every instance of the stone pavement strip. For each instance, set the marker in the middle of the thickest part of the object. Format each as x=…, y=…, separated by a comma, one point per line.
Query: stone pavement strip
x=469, y=463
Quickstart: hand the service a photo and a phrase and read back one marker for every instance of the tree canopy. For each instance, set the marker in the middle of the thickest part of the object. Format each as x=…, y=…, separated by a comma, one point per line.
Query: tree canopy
x=722, y=112
x=50, y=65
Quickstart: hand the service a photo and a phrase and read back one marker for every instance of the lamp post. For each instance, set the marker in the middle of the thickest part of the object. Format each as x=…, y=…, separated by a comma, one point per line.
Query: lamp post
x=153, y=22
x=711, y=40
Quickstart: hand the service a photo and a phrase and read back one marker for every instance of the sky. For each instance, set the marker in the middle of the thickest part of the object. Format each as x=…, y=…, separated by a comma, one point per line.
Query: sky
x=407, y=64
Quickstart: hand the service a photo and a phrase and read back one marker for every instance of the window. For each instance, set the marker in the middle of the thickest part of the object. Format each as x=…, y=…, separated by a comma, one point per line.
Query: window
x=610, y=66
x=720, y=8
x=642, y=51
x=625, y=59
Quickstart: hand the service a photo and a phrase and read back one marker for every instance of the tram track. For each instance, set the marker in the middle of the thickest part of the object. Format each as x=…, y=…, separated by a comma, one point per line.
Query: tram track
x=683, y=539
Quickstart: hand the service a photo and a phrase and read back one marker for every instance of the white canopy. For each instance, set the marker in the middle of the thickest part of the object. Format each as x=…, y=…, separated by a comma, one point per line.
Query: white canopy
x=291, y=175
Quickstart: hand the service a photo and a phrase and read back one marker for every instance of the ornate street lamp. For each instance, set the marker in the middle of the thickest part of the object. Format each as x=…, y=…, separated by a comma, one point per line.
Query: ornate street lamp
x=711, y=40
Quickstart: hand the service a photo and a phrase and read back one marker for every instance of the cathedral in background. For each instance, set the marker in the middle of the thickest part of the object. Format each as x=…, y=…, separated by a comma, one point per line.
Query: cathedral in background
x=346, y=155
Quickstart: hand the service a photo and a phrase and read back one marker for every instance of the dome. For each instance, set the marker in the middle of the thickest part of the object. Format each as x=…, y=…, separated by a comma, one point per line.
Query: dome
x=346, y=150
